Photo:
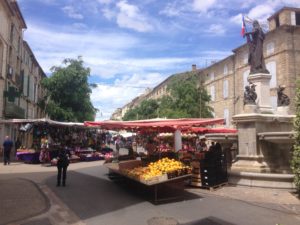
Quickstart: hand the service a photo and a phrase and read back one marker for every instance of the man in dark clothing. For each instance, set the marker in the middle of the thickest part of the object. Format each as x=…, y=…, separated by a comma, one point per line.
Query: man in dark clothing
x=62, y=165
x=7, y=146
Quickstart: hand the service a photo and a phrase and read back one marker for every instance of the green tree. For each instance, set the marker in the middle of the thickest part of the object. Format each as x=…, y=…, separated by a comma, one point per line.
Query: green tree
x=295, y=162
x=146, y=110
x=187, y=99
x=68, y=92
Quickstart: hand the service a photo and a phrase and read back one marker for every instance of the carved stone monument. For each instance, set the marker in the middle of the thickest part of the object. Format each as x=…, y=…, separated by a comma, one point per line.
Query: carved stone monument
x=260, y=162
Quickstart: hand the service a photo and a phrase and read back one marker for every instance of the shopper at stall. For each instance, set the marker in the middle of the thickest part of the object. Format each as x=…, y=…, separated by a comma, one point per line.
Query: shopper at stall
x=118, y=144
x=7, y=146
x=202, y=145
x=150, y=147
x=62, y=165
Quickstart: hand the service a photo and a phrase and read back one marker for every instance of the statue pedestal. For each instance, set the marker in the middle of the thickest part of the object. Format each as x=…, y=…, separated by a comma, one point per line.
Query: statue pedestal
x=253, y=155
x=250, y=109
x=262, y=83
x=283, y=110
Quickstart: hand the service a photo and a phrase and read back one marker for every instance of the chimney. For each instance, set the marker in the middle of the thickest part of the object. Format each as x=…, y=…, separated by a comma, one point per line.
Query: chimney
x=194, y=67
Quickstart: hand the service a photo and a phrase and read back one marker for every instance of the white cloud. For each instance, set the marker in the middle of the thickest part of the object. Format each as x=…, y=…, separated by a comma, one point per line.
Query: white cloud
x=106, y=2
x=108, y=97
x=236, y=19
x=203, y=5
x=105, y=53
x=47, y=2
x=261, y=12
x=72, y=12
x=173, y=9
x=216, y=29
x=109, y=13
x=97, y=45
x=131, y=17
x=79, y=26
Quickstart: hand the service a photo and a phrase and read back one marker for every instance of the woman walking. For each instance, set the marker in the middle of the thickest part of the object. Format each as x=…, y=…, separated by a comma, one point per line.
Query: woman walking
x=62, y=165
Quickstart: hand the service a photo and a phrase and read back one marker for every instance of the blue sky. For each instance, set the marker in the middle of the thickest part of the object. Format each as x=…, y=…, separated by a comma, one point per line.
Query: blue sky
x=134, y=44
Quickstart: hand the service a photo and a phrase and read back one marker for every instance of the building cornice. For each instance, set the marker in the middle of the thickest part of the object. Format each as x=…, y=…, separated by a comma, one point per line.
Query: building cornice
x=16, y=8
x=283, y=9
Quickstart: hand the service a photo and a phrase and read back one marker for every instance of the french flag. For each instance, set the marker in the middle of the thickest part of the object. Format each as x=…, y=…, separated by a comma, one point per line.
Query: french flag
x=243, y=26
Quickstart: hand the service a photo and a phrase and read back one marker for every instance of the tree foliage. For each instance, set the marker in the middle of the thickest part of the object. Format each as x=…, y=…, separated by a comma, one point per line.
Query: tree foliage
x=295, y=162
x=68, y=92
x=186, y=99
x=146, y=110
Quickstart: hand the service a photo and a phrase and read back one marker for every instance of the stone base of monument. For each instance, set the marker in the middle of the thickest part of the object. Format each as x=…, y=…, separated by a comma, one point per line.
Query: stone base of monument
x=250, y=164
x=264, y=144
x=283, y=110
x=250, y=109
x=269, y=180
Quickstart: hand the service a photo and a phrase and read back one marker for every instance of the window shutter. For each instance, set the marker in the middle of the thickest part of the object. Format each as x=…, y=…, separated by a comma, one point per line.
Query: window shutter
x=271, y=66
x=225, y=89
x=25, y=85
x=212, y=93
x=226, y=117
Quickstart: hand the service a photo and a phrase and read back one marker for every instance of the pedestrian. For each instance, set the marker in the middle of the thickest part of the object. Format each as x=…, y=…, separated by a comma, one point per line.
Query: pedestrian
x=7, y=146
x=62, y=165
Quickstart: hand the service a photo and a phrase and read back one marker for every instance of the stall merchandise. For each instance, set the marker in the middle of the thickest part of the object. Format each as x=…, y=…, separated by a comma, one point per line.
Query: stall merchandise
x=164, y=172
x=160, y=170
x=28, y=156
x=45, y=137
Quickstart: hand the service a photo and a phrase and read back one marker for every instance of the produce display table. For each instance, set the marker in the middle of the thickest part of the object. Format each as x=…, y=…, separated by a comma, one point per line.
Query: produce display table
x=28, y=157
x=175, y=183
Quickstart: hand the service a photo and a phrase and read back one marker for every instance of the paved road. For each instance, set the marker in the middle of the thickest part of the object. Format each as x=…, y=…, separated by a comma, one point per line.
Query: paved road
x=91, y=198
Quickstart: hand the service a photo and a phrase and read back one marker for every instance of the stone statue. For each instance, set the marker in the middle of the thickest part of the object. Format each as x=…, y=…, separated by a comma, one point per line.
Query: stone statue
x=282, y=99
x=255, y=40
x=250, y=95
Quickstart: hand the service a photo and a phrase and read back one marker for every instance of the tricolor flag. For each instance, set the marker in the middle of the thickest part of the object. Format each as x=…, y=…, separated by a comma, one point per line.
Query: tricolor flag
x=243, y=26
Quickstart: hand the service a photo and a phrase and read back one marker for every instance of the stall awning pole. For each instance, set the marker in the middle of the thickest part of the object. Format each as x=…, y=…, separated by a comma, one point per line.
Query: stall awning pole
x=177, y=140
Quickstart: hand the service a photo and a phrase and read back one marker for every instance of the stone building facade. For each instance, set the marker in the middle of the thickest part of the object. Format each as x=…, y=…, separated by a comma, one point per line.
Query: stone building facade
x=226, y=79
x=20, y=73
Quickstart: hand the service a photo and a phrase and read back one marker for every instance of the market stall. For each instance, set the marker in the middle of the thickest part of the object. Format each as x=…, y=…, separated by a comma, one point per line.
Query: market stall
x=175, y=126
x=40, y=140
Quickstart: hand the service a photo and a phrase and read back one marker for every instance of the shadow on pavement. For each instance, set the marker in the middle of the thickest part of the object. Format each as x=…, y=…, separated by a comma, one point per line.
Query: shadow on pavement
x=89, y=196
x=16, y=194
x=209, y=221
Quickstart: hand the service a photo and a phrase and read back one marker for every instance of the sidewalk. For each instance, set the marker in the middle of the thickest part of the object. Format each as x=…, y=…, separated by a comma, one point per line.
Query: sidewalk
x=22, y=199
x=254, y=195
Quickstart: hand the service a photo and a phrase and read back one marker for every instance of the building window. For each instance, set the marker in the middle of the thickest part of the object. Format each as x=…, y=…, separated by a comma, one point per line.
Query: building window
x=225, y=89
x=270, y=48
x=212, y=76
x=245, y=78
x=271, y=66
x=225, y=70
x=277, y=21
x=212, y=93
x=11, y=32
x=293, y=18
x=226, y=117
x=25, y=85
x=298, y=19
